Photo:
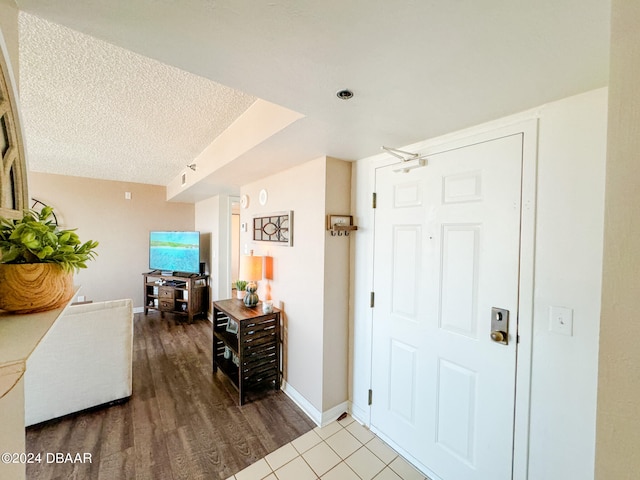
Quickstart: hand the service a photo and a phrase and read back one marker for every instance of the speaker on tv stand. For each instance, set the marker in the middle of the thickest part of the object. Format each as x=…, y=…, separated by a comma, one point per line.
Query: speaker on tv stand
x=202, y=268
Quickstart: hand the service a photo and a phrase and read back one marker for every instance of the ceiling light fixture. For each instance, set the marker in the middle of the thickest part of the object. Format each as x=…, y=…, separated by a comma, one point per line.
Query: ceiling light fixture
x=344, y=94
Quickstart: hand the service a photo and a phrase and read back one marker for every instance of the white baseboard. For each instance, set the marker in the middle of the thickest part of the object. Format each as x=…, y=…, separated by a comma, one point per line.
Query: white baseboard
x=333, y=413
x=319, y=418
x=312, y=412
x=361, y=415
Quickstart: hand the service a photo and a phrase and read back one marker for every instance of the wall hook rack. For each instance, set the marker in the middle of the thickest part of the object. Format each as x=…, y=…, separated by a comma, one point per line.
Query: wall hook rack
x=340, y=224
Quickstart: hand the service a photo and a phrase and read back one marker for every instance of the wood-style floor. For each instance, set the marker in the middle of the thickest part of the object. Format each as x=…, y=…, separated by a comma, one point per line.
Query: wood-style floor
x=182, y=421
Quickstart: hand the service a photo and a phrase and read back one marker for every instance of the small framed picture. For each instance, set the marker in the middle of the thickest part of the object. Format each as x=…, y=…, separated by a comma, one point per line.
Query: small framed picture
x=232, y=326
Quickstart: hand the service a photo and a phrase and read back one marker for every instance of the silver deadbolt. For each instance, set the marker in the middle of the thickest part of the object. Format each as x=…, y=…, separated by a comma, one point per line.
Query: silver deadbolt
x=500, y=325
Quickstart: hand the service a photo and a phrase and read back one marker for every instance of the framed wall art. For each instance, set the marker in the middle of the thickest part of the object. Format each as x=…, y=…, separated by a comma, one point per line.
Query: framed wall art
x=275, y=228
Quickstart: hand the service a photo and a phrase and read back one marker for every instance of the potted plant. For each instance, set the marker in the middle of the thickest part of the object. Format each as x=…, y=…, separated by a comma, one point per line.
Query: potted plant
x=241, y=286
x=37, y=262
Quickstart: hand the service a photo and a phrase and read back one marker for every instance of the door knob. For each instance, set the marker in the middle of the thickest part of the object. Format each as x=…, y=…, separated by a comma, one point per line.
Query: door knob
x=498, y=336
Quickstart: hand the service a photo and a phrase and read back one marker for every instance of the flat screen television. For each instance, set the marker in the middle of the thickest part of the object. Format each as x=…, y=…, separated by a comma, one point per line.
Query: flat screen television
x=174, y=251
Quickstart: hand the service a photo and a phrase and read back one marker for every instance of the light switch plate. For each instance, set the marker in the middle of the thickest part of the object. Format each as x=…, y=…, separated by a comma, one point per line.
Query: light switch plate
x=561, y=320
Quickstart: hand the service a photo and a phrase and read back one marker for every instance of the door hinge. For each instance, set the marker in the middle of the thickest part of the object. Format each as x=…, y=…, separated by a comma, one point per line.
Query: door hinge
x=374, y=200
x=370, y=396
x=372, y=299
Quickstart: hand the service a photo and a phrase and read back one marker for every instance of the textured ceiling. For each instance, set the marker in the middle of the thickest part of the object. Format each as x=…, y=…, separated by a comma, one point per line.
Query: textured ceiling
x=92, y=109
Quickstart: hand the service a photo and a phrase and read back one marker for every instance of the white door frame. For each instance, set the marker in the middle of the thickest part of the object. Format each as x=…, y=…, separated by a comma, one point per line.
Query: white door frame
x=231, y=200
x=528, y=125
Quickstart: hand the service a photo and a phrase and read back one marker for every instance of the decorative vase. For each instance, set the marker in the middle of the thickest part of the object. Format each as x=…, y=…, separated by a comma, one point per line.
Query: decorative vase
x=251, y=298
x=34, y=287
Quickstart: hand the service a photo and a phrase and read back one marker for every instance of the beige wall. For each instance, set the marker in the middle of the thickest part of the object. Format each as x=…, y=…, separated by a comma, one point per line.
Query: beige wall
x=207, y=220
x=315, y=268
x=9, y=27
x=98, y=209
x=298, y=281
x=618, y=427
x=213, y=220
x=336, y=287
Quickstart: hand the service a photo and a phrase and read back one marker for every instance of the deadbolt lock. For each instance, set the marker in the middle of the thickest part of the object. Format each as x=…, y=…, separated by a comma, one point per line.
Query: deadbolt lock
x=500, y=325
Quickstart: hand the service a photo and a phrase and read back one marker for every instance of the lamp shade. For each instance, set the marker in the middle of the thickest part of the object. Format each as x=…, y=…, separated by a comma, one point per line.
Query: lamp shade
x=250, y=268
x=268, y=267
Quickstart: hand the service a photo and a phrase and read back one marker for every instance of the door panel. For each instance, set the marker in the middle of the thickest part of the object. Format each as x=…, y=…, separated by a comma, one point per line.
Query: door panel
x=402, y=380
x=456, y=410
x=447, y=242
x=406, y=270
x=459, y=279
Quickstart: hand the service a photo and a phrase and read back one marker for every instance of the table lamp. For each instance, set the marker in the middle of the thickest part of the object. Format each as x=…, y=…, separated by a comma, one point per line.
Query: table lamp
x=251, y=271
x=267, y=271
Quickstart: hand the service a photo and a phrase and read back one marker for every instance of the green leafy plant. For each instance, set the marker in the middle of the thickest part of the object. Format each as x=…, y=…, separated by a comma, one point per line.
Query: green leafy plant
x=241, y=285
x=36, y=239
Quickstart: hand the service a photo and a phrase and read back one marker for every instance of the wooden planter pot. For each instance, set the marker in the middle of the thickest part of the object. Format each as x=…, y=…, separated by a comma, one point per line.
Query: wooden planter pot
x=34, y=287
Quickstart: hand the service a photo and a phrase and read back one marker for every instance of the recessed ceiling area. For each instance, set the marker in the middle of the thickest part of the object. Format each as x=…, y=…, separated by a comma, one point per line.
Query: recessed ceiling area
x=92, y=109
x=418, y=69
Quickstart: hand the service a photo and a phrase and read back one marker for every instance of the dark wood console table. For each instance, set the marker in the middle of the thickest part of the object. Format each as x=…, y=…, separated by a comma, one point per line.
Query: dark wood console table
x=246, y=345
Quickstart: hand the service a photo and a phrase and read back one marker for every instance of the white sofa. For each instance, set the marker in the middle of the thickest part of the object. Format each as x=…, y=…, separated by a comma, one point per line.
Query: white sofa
x=85, y=360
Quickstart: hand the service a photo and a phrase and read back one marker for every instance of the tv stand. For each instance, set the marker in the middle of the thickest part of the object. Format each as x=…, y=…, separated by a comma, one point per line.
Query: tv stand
x=186, y=295
x=185, y=275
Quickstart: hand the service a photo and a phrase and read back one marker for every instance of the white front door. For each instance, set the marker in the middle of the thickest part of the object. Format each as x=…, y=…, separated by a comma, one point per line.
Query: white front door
x=447, y=239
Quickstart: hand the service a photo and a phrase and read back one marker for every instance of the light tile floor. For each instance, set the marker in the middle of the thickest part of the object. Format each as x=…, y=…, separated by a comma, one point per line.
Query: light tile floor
x=343, y=450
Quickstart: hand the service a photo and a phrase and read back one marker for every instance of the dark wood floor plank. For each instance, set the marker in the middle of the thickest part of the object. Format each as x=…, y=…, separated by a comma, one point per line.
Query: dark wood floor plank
x=52, y=438
x=117, y=430
x=84, y=438
x=182, y=421
x=118, y=465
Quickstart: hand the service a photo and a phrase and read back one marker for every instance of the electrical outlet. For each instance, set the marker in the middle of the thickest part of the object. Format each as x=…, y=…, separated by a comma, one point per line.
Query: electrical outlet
x=561, y=320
